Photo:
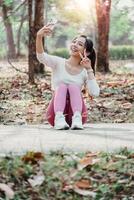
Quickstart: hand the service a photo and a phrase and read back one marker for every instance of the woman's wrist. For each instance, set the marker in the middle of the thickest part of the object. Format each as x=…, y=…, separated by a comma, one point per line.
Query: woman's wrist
x=89, y=70
x=39, y=36
x=90, y=73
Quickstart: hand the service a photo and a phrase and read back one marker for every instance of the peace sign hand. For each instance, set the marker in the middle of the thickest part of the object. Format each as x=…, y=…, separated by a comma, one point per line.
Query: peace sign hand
x=85, y=62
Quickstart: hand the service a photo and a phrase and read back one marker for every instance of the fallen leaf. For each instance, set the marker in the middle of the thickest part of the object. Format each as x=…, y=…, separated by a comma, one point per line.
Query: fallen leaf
x=37, y=180
x=84, y=162
x=7, y=190
x=115, y=83
x=109, y=104
x=126, y=105
x=33, y=157
x=123, y=181
x=83, y=184
x=131, y=156
x=120, y=156
x=96, y=160
x=85, y=192
x=73, y=173
x=67, y=187
x=119, y=120
x=106, y=94
x=87, y=161
x=92, y=154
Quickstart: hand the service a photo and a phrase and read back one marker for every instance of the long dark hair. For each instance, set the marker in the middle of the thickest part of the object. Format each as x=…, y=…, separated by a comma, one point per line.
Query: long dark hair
x=90, y=49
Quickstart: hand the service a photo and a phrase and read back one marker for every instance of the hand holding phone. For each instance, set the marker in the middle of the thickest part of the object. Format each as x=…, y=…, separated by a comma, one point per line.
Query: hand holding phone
x=52, y=24
x=47, y=29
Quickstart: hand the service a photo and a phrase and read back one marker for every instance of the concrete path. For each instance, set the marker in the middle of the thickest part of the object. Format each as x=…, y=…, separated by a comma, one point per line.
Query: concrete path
x=95, y=137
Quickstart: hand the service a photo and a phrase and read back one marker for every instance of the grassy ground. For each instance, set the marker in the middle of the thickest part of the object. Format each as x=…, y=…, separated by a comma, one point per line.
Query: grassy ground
x=58, y=175
x=62, y=176
x=22, y=103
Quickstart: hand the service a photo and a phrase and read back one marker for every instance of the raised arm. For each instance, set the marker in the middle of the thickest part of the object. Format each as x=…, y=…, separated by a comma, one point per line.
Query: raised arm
x=43, y=32
x=46, y=59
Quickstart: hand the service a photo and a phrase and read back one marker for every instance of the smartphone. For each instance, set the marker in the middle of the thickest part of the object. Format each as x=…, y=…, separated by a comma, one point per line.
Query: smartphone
x=52, y=23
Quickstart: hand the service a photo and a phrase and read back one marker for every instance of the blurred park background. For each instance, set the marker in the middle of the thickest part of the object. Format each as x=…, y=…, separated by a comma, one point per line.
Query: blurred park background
x=109, y=23
x=25, y=92
x=74, y=17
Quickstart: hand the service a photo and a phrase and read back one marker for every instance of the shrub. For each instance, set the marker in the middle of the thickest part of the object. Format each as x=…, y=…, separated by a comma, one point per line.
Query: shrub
x=62, y=52
x=121, y=52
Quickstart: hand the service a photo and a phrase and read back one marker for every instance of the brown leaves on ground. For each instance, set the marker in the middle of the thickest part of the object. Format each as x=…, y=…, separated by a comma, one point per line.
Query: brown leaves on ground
x=22, y=103
x=88, y=160
x=116, y=101
x=81, y=186
x=33, y=177
x=33, y=157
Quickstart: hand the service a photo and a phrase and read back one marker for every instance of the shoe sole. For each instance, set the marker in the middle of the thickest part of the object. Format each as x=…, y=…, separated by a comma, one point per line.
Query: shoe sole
x=77, y=128
x=63, y=128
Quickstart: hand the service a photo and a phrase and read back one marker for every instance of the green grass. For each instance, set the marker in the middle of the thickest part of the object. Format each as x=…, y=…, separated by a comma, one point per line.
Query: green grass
x=112, y=177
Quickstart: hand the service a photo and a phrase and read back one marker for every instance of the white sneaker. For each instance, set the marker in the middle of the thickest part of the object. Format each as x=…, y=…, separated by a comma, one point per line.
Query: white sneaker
x=60, y=123
x=77, y=121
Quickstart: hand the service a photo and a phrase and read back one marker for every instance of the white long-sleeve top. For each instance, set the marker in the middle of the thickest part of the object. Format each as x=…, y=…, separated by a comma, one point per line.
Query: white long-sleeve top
x=60, y=75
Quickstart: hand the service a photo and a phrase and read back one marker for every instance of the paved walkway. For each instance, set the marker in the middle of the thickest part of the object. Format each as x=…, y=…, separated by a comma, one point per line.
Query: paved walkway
x=95, y=137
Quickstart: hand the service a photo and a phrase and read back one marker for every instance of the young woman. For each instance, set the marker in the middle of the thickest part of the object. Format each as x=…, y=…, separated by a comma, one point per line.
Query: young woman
x=67, y=107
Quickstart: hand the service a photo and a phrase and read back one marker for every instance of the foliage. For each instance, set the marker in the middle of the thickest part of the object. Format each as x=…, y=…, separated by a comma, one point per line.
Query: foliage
x=70, y=13
x=73, y=176
x=3, y=46
x=120, y=25
x=122, y=52
x=8, y=2
x=74, y=16
x=18, y=17
x=121, y=28
x=72, y=20
x=58, y=3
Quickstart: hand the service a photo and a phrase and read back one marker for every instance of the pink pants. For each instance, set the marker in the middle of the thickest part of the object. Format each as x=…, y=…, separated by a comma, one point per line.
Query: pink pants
x=66, y=99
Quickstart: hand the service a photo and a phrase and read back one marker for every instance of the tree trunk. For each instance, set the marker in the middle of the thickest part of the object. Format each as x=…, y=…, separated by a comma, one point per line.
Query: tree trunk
x=103, y=21
x=30, y=45
x=23, y=18
x=36, y=21
x=9, y=32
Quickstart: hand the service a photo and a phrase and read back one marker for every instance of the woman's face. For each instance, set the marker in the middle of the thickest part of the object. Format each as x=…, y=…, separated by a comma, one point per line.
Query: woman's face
x=77, y=45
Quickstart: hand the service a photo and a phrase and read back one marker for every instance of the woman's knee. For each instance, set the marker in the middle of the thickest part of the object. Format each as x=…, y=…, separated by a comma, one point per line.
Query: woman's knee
x=73, y=86
x=62, y=85
x=61, y=88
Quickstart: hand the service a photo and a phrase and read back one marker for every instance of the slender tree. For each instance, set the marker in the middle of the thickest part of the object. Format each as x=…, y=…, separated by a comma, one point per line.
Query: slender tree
x=30, y=55
x=11, y=53
x=23, y=18
x=103, y=22
x=36, y=21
